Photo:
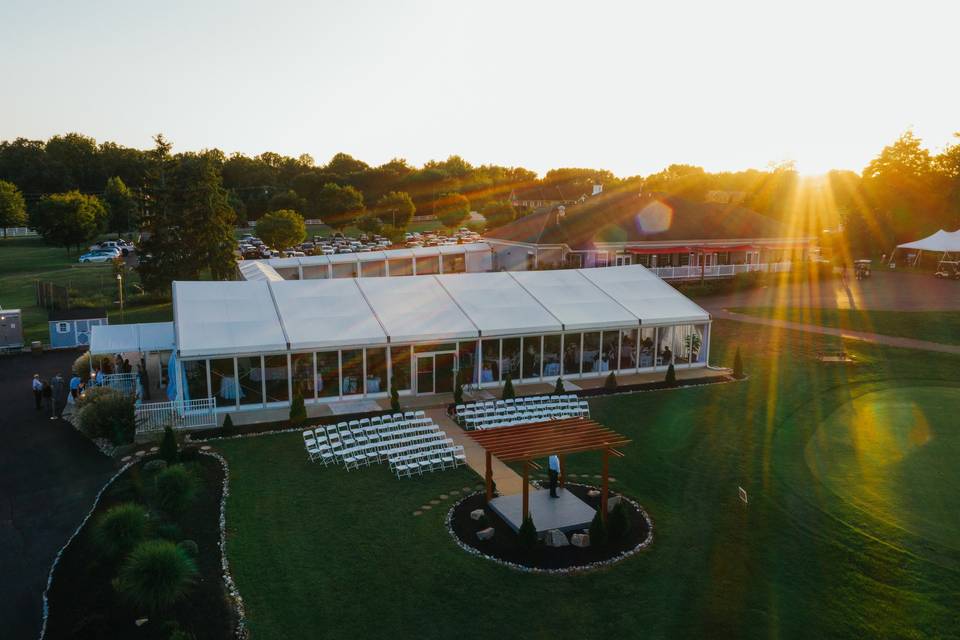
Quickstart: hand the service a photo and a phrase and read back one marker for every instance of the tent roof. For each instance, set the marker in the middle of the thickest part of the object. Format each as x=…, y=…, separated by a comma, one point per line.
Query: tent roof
x=258, y=270
x=497, y=305
x=646, y=296
x=223, y=318
x=416, y=308
x=574, y=300
x=939, y=241
x=319, y=314
x=124, y=338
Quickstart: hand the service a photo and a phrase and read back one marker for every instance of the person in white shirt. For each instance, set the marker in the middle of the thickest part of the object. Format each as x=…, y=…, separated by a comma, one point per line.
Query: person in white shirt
x=554, y=463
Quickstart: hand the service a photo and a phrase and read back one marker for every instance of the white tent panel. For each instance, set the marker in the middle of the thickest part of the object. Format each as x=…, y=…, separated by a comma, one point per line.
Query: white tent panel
x=497, y=305
x=253, y=270
x=126, y=338
x=940, y=241
x=320, y=314
x=645, y=295
x=574, y=300
x=416, y=308
x=225, y=318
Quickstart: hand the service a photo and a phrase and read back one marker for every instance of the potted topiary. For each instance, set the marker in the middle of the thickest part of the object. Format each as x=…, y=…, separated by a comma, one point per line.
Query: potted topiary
x=527, y=535
x=168, y=446
x=611, y=382
x=558, y=389
x=394, y=399
x=508, y=392
x=298, y=410
x=671, y=378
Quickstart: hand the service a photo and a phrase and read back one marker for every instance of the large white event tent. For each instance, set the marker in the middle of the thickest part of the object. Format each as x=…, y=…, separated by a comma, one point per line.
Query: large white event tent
x=258, y=343
x=943, y=242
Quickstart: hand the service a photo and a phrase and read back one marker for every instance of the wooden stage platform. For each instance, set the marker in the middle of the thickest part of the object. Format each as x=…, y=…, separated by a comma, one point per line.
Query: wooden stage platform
x=567, y=513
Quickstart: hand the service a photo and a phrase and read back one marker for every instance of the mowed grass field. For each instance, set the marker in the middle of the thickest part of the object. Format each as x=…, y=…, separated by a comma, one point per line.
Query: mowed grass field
x=934, y=326
x=24, y=261
x=324, y=553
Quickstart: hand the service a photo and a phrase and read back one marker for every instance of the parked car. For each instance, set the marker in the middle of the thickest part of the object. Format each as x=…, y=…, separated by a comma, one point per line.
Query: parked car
x=98, y=256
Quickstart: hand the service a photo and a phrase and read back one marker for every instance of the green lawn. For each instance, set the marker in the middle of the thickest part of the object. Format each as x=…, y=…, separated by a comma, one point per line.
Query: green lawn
x=321, y=552
x=935, y=326
x=24, y=261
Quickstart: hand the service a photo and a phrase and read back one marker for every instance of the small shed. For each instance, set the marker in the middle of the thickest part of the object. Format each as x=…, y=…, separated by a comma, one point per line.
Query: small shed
x=11, y=329
x=72, y=327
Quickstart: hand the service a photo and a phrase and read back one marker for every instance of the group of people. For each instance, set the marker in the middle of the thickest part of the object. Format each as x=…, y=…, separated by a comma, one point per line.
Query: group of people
x=47, y=393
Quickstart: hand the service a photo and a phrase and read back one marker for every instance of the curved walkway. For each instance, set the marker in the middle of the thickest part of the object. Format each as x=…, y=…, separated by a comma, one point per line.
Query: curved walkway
x=893, y=341
x=49, y=475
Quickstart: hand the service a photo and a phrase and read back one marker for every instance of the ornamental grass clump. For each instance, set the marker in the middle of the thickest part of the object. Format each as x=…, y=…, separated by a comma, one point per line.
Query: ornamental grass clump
x=618, y=525
x=527, y=535
x=671, y=378
x=598, y=531
x=611, y=382
x=156, y=575
x=120, y=529
x=558, y=389
x=298, y=410
x=168, y=446
x=508, y=392
x=176, y=489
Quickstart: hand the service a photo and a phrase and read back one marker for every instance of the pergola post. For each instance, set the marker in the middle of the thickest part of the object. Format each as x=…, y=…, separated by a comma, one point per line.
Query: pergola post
x=488, y=476
x=563, y=471
x=605, y=487
x=526, y=489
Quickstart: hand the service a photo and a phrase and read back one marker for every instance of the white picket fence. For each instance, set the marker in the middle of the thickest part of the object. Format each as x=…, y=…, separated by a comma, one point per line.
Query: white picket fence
x=122, y=382
x=17, y=232
x=189, y=414
x=717, y=271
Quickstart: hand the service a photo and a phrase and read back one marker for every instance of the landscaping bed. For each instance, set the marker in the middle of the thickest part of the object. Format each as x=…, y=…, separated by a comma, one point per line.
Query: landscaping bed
x=83, y=599
x=505, y=545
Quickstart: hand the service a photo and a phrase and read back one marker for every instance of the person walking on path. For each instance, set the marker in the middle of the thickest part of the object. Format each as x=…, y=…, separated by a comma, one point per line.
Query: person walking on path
x=554, y=464
x=47, y=392
x=75, y=386
x=37, y=390
x=57, y=388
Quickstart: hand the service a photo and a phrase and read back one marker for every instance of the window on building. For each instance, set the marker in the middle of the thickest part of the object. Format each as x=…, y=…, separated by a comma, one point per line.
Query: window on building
x=490, y=366
x=250, y=375
x=591, y=352
x=428, y=265
x=352, y=365
x=195, y=378
x=277, y=378
x=628, y=349
x=63, y=327
x=551, y=356
x=401, y=267
x=510, y=363
x=454, y=263
x=223, y=382
x=571, y=354
x=377, y=370
x=531, y=357
x=400, y=367
x=304, y=382
x=328, y=374
x=467, y=352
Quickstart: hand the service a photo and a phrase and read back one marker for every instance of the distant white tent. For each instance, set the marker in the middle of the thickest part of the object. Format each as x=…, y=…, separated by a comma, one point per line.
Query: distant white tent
x=942, y=242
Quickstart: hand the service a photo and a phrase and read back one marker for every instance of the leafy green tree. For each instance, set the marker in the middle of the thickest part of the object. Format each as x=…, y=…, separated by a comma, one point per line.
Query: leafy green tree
x=451, y=209
x=121, y=206
x=498, y=213
x=288, y=200
x=395, y=209
x=188, y=222
x=339, y=206
x=369, y=224
x=13, y=210
x=69, y=219
x=343, y=164
x=156, y=575
x=281, y=229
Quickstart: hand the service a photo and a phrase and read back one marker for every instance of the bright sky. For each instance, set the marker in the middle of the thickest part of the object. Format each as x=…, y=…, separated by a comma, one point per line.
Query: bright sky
x=628, y=86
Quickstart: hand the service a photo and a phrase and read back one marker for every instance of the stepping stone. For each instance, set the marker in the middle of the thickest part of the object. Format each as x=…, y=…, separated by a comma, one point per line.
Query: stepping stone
x=434, y=502
x=205, y=448
x=593, y=493
x=612, y=479
x=154, y=449
x=140, y=454
x=125, y=459
x=418, y=513
x=426, y=507
x=466, y=489
x=571, y=475
x=444, y=496
x=454, y=493
x=476, y=514
x=485, y=534
x=597, y=476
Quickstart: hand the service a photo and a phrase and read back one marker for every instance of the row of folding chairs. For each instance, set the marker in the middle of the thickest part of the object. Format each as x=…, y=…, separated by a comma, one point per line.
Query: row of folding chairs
x=366, y=454
x=508, y=418
x=526, y=403
x=333, y=438
x=429, y=458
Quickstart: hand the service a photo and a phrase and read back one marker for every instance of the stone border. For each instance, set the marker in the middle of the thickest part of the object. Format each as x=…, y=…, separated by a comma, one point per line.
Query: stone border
x=578, y=569
x=228, y=582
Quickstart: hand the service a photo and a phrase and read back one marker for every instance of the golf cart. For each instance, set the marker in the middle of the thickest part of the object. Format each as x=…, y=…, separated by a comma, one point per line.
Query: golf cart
x=948, y=270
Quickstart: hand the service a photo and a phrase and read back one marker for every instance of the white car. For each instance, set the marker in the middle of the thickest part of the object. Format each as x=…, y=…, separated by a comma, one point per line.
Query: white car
x=98, y=256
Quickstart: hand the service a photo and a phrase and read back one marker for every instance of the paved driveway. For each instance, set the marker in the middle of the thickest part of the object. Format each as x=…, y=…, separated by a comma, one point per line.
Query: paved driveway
x=49, y=475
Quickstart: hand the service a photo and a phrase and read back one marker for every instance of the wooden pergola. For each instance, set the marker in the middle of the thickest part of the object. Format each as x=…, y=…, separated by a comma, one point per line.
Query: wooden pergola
x=526, y=442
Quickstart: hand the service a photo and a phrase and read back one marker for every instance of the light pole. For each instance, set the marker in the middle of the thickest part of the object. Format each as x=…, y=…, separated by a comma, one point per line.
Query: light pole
x=120, y=289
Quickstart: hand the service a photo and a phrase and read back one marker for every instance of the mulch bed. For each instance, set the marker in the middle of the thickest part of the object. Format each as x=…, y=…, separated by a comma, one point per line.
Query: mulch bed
x=83, y=603
x=504, y=544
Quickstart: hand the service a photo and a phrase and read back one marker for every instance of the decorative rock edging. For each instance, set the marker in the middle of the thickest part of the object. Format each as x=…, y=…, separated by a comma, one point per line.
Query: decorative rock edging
x=583, y=568
x=228, y=581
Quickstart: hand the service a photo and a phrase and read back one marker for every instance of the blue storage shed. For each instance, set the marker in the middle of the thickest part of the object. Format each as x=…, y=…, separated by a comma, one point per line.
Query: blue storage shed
x=71, y=328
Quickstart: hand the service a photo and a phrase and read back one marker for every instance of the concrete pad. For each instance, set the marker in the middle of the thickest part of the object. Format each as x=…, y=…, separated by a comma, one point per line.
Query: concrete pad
x=566, y=513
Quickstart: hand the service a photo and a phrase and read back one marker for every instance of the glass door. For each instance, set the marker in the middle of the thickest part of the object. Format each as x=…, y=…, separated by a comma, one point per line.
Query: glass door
x=444, y=366
x=424, y=374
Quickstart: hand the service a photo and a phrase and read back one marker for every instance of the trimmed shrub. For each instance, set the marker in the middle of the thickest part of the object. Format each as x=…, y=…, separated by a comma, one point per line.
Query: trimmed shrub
x=120, y=529
x=298, y=410
x=394, y=399
x=527, y=535
x=671, y=378
x=558, y=389
x=109, y=414
x=168, y=447
x=81, y=366
x=176, y=489
x=458, y=394
x=227, y=425
x=168, y=531
x=618, y=524
x=94, y=395
x=508, y=392
x=598, y=531
x=611, y=381
x=737, y=365
x=155, y=575
x=190, y=546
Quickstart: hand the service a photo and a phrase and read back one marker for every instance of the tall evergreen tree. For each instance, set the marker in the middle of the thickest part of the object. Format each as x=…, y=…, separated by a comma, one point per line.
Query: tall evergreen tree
x=188, y=223
x=121, y=206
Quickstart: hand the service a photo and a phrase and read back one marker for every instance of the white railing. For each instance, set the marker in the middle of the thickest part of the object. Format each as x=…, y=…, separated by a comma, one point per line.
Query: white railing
x=189, y=414
x=691, y=272
x=122, y=382
x=17, y=232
